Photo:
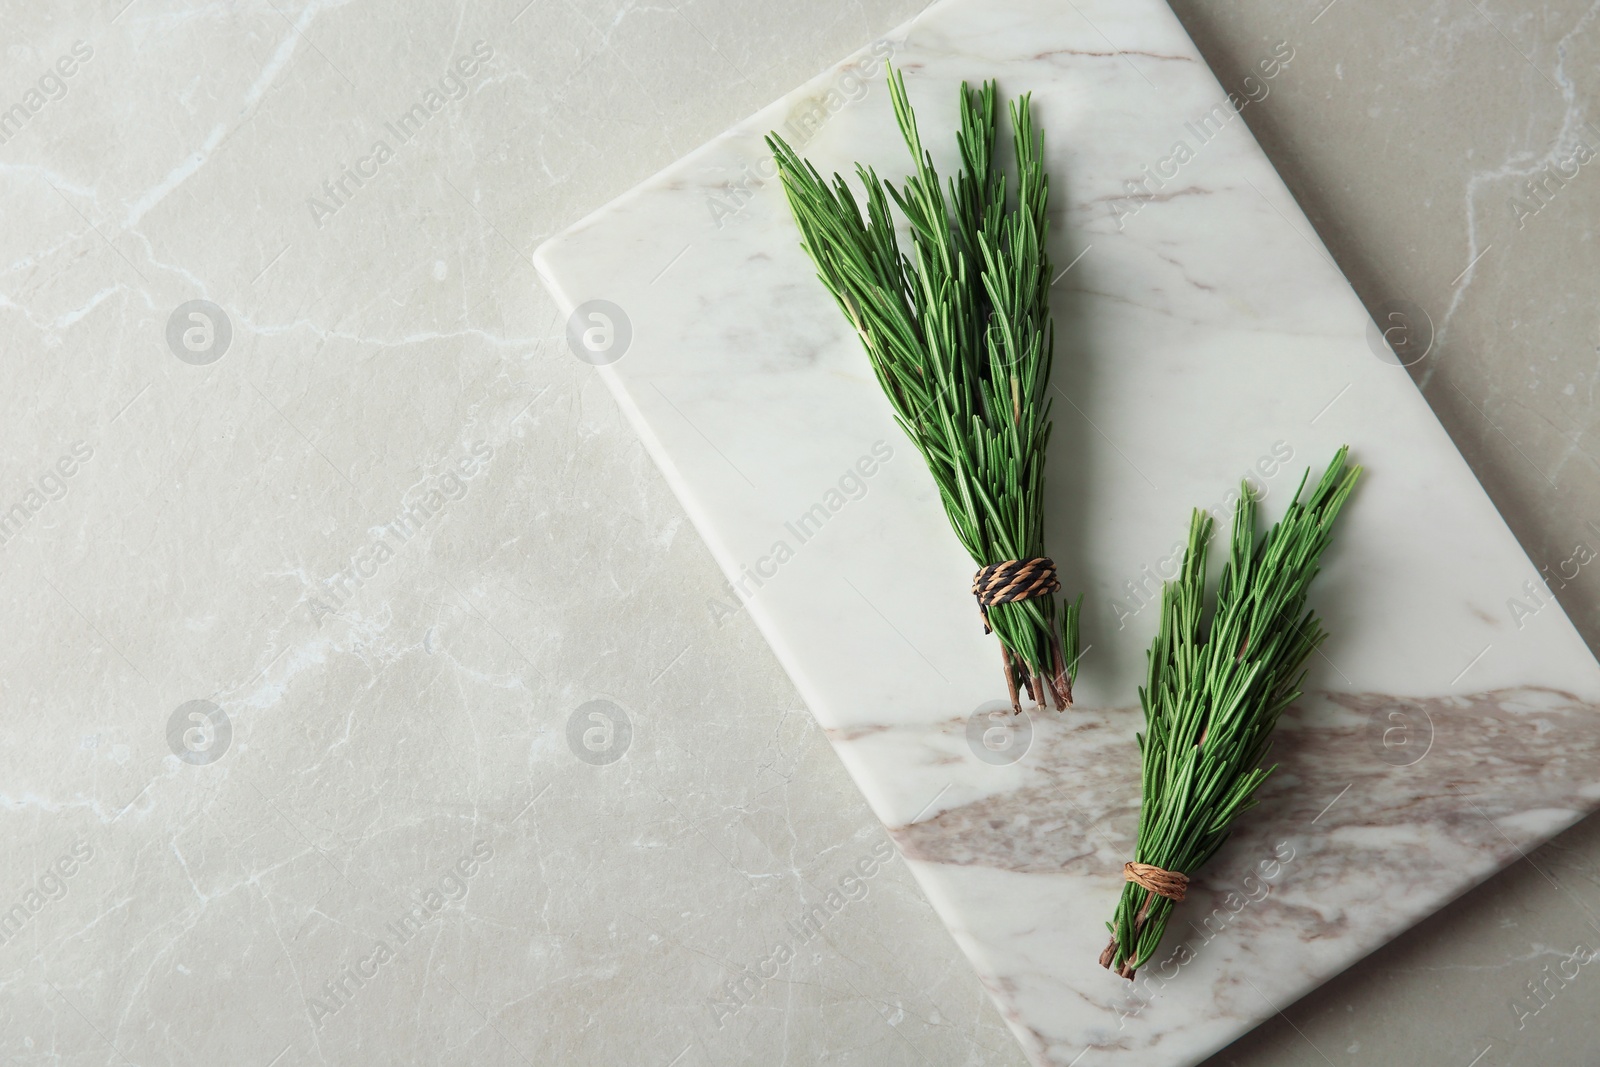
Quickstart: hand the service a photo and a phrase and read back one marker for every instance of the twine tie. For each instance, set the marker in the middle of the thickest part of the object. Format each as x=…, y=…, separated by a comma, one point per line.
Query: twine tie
x=1011, y=580
x=1163, y=883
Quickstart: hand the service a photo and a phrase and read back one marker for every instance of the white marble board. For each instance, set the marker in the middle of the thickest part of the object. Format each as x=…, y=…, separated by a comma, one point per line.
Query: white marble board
x=1204, y=335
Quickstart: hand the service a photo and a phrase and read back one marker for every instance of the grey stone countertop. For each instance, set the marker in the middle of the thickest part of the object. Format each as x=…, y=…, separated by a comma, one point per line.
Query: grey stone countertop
x=312, y=585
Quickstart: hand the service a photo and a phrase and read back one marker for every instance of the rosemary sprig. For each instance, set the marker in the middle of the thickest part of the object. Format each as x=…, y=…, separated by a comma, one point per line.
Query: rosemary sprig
x=960, y=338
x=1213, y=694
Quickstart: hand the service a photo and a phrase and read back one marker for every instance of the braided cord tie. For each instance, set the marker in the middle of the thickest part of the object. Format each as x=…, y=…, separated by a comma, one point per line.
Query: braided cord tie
x=1013, y=579
x=1162, y=883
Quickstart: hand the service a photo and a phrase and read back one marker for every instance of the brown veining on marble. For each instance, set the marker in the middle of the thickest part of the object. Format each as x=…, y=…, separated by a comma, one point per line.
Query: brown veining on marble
x=1344, y=762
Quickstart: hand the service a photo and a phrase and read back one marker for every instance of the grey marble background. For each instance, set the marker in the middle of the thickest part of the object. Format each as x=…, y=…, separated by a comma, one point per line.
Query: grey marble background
x=396, y=401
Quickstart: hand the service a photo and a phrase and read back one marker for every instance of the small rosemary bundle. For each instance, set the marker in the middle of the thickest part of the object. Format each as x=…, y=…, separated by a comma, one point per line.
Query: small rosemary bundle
x=1213, y=695
x=960, y=338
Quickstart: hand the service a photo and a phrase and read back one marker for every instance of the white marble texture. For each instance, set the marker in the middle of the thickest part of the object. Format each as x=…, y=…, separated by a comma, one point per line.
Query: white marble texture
x=1204, y=336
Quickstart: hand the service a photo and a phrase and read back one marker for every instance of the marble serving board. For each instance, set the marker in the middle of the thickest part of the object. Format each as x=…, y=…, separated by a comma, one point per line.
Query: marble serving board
x=1204, y=336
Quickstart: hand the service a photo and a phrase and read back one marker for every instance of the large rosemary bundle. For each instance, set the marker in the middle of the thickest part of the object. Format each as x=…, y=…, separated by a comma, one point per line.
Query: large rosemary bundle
x=959, y=335
x=1213, y=694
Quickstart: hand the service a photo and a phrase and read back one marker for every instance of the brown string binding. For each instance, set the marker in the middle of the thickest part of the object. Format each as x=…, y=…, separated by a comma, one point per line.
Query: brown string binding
x=1156, y=882
x=1162, y=883
x=1022, y=579
x=1013, y=579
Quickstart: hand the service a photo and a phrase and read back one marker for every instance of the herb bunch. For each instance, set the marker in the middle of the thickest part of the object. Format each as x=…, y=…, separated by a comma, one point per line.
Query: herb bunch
x=1214, y=693
x=959, y=334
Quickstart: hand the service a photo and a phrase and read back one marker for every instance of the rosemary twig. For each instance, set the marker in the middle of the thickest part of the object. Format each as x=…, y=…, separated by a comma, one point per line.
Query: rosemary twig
x=1213, y=694
x=959, y=335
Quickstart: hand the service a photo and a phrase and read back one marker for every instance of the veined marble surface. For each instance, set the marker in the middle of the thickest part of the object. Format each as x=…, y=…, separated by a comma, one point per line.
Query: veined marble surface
x=184, y=913
x=1204, y=335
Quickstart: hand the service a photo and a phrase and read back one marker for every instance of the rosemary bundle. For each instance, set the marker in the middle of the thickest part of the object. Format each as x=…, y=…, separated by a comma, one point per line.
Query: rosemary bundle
x=959, y=335
x=1214, y=693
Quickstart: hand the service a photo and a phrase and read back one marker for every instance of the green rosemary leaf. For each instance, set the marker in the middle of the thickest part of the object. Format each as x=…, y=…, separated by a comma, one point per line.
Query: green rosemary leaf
x=1212, y=695
x=956, y=324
